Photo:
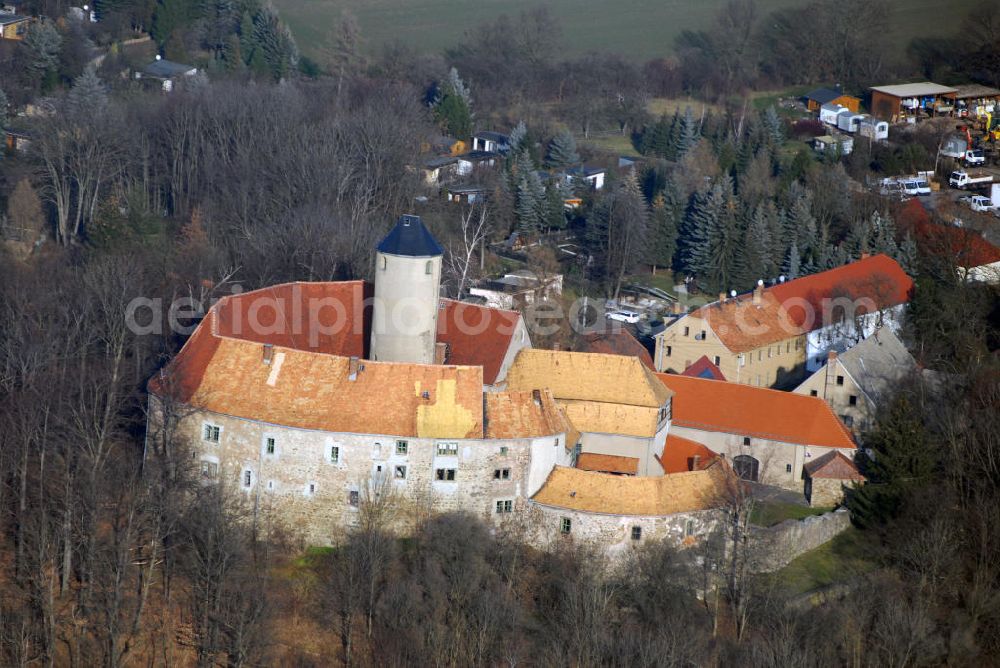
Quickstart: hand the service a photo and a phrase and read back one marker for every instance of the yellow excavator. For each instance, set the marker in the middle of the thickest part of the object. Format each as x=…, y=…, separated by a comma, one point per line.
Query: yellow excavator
x=991, y=133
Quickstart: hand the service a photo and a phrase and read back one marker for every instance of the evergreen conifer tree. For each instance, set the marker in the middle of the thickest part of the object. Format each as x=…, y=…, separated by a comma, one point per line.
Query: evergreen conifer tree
x=526, y=207
x=562, y=151
x=793, y=262
x=908, y=255
x=688, y=133
x=773, y=127
x=88, y=98
x=453, y=107
x=517, y=137
x=904, y=459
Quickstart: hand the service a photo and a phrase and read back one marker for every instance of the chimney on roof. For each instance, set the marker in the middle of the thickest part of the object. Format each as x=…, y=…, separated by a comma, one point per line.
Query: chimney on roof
x=831, y=356
x=865, y=255
x=536, y=396
x=678, y=309
x=695, y=460
x=556, y=346
x=353, y=367
x=758, y=293
x=268, y=353
x=722, y=297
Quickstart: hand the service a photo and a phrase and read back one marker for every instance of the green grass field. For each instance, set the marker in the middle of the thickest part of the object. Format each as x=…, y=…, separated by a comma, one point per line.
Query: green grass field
x=635, y=28
x=843, y=558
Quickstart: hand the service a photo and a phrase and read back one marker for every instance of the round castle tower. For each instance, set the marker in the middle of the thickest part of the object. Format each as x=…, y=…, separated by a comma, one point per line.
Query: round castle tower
x=407, y=293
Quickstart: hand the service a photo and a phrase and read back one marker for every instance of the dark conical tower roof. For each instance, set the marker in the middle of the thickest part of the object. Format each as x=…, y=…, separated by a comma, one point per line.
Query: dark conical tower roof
x=409, y=237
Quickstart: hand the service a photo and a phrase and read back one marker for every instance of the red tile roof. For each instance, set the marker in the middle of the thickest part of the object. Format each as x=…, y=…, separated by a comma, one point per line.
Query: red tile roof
x=331, y=318
x=703, y=368
x=589, y=461
x=615, y=341
x=799, y=306
x=966, y=248
x=878, y=278
x=834, y=466
x=476, y=335
x=732, y=408
x=311, y=390
x=335, y=318
x=679, y=453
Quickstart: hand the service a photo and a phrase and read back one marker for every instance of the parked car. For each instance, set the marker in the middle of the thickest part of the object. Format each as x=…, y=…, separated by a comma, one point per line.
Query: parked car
x=980, y=203
x=631, y=317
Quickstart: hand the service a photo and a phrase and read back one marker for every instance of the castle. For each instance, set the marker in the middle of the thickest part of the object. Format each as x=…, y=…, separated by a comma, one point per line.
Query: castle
x=304, y=395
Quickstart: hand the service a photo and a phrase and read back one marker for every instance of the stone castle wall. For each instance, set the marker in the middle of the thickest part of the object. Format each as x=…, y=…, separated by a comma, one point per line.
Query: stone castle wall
x=614, y=532
x=310, y=493
x=776, y=547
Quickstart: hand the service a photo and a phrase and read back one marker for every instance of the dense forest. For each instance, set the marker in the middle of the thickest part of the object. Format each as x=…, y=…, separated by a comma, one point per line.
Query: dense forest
x=269, y=167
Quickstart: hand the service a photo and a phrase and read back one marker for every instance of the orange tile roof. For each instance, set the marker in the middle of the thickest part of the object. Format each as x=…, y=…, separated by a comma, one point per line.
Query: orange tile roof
x=522, y=415
x=219, y=372
x=742, y=325
x=615, y=341
x=335, y=318
x=589, y=461
x=878, y=278
x=966, y=248
x=713, y=405
x=588, y=491
x=796, y=307
x=833, y=466
x=613, y=379
x=476, y=335
x=331, y=318
x=679, y=453
x=313, y=390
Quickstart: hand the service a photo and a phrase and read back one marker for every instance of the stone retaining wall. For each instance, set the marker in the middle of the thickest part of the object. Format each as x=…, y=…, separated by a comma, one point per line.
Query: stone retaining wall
x=777, y=546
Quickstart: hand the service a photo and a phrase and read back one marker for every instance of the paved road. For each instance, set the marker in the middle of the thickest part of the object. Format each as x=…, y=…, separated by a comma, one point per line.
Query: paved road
x=773, y=494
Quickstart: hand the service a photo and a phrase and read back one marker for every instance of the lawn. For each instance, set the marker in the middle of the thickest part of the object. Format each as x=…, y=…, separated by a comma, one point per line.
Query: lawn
x=640, y=29
x=769, y=513
x=844, y=557
x=617, y=143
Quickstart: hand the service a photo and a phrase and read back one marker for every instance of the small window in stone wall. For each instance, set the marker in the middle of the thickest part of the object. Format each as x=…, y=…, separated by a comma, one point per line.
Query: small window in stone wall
x=445, y=475
x=505, y=506
x=449, y=448
x=402, y=447
x=210, y=433
x=788, y=468
x=247, y=477
x=813, y=393
x=501, y=474
x=636, y=533
x=852, y=400
x=354, y=497
x=565, y=525
x=400, y=473
x=310, y=489
x=746, y=440
x=209, y=470
x=689, y=528
x=504, y=449
x=269, y=446
x=334, y=453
